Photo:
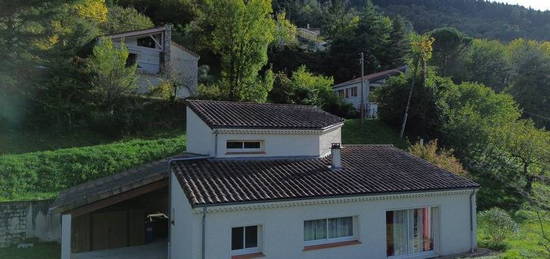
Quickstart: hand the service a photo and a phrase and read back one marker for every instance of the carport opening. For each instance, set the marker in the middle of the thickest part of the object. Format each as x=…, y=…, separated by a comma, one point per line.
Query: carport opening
x=133, y=222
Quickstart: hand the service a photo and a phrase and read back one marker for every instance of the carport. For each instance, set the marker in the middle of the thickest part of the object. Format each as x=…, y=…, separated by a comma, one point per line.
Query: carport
x=119, y=216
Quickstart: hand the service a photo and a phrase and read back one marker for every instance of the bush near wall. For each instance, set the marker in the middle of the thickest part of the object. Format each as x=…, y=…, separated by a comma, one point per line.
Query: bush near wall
x=42, y=174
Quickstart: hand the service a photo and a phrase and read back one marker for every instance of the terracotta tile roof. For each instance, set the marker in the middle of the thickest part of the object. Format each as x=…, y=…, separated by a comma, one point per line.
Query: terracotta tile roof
x=109, y=186
x=223, y=114
x=374, y=77
x=367, y=169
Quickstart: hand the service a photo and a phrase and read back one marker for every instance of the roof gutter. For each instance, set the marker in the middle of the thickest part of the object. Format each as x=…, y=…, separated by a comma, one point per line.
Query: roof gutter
x=328, y=197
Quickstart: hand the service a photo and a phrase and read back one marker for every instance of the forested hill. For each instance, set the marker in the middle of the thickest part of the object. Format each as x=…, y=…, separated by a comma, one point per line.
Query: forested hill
x=477, y=18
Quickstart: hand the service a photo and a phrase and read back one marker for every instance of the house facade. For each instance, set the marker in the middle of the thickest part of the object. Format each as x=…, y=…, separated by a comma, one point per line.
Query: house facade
x=271, y=181
x=323, y=201
x=158, y=58
x=350, y=91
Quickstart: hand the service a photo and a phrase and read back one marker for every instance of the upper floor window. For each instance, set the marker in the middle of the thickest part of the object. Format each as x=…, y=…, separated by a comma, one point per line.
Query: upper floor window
x=322, y=231
x=149, y=41
x=241, y=146
x=245, y=240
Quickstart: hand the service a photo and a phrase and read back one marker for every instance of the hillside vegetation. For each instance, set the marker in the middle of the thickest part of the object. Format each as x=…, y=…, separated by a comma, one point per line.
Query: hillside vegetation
x=41, y=175
x=478, y=18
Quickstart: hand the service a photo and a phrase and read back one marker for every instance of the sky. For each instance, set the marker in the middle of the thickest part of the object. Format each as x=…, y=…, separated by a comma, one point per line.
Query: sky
x=535, y=4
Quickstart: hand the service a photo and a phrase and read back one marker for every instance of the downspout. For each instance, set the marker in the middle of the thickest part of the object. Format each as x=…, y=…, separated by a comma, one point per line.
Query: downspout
x=203, y=252
x=215, y=143
x=472, y=245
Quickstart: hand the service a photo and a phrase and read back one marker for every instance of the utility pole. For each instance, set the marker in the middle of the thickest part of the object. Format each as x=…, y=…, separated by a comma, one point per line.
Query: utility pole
x=362, y=105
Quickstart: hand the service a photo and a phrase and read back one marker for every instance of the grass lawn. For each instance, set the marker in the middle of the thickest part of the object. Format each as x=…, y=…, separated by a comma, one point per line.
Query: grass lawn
x=50, y=250
x=371, y=132
x=527, y=242
x=16, y=142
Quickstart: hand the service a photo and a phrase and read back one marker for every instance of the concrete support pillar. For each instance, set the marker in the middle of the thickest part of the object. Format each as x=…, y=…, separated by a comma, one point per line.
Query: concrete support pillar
x=66, y=230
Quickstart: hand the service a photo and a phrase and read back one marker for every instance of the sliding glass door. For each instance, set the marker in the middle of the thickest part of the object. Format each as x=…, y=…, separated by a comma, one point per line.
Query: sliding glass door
x=411, y=232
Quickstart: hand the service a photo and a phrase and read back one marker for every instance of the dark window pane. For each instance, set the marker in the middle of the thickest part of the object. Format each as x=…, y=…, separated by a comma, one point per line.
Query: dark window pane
x=234, y=144
x=146, y=42
x=251, y=237
x=237, y=238
x=389, y=233
x=252, y=144
x=315, y=229
x=131, y=60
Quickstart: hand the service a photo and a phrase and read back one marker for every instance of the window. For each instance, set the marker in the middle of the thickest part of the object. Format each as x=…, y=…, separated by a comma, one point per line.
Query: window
x=243, y=146
x=148, y=41
x=322, y=231
x=347, y=92
x=354, y=91
x=244, y=240
x=410, y=232
x=341, y=93
x=131, y=60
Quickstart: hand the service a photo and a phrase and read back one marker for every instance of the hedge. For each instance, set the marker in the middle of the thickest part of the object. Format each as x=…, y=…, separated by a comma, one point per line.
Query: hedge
x=44, y=174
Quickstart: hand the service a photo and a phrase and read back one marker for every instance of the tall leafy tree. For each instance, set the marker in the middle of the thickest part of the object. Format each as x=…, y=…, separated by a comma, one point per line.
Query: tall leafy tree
x=111, y=78
x=241, y=33
x=449, y=45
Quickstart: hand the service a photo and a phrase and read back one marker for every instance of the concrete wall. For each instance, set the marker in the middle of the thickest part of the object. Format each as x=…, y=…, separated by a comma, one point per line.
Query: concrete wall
x=283, y=228
x=28, y=219
x=185, y=69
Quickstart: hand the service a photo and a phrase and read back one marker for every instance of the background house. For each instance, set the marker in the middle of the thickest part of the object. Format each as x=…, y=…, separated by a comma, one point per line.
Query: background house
x=310, y=38
x=158, y=58
x=350, y=90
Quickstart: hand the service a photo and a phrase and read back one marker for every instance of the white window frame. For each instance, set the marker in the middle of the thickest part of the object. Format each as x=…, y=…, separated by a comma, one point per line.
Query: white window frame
x=435, y=225
x=328, y=240
x=243, y=149
x=249, y=250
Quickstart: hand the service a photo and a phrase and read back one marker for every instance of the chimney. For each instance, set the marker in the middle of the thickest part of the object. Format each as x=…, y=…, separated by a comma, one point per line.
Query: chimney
x=336, y=154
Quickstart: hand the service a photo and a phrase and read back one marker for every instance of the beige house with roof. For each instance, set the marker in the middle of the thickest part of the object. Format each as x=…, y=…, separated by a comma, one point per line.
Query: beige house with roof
x=158, y=58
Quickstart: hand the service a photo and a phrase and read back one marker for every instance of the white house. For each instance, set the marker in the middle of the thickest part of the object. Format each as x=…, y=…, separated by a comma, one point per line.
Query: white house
x=350, y=90
x=273, y=181
x=159, y=58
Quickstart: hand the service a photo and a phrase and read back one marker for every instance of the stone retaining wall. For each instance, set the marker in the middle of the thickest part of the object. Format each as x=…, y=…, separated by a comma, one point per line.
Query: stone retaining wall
x=28, y=219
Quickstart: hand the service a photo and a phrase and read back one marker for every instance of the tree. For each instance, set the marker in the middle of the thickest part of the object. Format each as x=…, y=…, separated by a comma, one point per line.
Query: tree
x=121, y=19
x=285, y=32
x=527, y=147
x=485, y=62
x=242, y=32
x=368, y=33
x=529, y=81
x=441, y=157
x=111, y=78
x=398, y=44
x=304, y=87
x=421, y=52
x=448, y=46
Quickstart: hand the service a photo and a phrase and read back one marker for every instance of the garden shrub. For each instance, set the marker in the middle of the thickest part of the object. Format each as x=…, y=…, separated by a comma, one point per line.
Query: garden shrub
x=497, y=226
x=53, y=171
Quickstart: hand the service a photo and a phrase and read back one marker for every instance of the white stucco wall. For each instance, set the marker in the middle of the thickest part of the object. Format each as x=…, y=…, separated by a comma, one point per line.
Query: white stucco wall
x=184, y=227
x=326, y=140
x=200, y=139
x=283, y=228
